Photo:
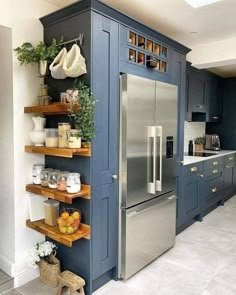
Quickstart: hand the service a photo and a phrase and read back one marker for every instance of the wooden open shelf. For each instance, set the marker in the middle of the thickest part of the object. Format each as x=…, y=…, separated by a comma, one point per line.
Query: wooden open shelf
x=54, y=233
x=55, y=108
x=58, y=152
x=59, y=195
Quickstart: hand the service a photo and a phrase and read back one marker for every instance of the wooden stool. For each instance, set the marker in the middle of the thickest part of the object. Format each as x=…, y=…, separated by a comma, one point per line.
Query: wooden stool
x=71, y=281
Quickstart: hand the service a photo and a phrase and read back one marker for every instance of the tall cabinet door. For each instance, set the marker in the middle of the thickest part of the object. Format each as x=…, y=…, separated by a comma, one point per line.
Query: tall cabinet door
x=105, y=87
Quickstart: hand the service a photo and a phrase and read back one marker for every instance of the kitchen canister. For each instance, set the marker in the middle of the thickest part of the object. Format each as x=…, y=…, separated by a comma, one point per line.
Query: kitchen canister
x=73, y=184
x=51, y=208
x=52, y=178
x=74, y=138
x=62, y=129
x=51, y=137
x=44, y=176
x=62, y=180
x=36, y=173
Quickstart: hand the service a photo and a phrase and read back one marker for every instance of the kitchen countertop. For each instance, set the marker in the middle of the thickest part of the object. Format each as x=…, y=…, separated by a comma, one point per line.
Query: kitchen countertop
x=193, y=159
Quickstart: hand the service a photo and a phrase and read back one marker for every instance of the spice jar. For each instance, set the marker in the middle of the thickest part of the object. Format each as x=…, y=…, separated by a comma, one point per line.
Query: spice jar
x=61, y=181
x=73, y=184
x=74, y=138
x=44, y=176
x=36, y=172
x=51, y=137
x=43, y=90
x=52, y=178
x=62, y=129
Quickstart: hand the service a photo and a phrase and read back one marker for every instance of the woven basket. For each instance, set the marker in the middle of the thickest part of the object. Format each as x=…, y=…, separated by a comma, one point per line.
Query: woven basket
x=49, y=271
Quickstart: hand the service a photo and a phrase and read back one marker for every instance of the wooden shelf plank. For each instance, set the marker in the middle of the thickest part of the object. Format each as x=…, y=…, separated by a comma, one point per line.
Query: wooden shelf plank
x=66, y=153
x=55, y=108
x=58, y=195
x=54, y=233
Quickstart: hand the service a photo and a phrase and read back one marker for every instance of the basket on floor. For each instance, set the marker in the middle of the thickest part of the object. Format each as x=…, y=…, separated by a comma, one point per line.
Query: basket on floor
x=49, y=271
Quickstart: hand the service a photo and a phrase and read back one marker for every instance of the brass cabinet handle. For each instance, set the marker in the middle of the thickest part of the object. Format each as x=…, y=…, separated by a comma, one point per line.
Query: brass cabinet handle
x=215, y=171
x=215, y=117
x=215, y=163
x=226, y=166
x=214, y=189
x=193, y=169
x=231, y=158
x=201, y=175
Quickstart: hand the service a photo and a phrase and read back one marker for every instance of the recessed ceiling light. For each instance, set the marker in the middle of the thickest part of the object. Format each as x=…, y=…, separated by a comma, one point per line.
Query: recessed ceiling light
x=199, y=3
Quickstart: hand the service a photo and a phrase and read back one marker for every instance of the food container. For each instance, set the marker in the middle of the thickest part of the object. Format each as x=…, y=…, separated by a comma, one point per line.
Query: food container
x=69, y=220
x=74, y=138
x=62, y=180
x=62, y=129
x=36, y=172
x=44, y=176
x=43, y=90
x=63, y=97
x=51, y=137
x=73, y=184
x=52, y=178
x=51, y=209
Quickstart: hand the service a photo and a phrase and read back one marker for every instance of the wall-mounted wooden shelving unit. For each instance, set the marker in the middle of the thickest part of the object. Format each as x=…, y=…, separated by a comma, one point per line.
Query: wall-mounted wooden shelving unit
x=59, y=195
x=54, y=233
x=58, y=152
x=51, y=109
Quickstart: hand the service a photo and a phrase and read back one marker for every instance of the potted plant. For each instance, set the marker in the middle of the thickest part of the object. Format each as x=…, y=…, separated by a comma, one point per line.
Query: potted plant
x=82, y=108
x=199, y=143
x=41, y=54
x=42, y=255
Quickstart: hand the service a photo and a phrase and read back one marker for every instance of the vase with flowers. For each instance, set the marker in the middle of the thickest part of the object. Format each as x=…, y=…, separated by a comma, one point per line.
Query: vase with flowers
x=43, y=255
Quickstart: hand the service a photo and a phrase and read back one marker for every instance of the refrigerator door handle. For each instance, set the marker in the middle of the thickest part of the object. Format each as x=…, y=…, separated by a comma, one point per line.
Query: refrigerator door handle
x=159, y=136
x=151, y=158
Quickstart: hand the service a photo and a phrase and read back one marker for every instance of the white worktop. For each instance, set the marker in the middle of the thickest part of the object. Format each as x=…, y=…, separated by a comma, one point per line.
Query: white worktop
x=193, y=159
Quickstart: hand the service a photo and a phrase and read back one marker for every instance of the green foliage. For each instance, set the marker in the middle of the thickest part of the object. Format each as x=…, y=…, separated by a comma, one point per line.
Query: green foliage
x=27, y=53
x=199, y=140
x=83, y=117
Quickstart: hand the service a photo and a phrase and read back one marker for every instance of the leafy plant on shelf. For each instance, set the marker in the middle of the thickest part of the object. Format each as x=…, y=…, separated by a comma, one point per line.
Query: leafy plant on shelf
x=27, y=53
x=82, y=108
x=200, y=140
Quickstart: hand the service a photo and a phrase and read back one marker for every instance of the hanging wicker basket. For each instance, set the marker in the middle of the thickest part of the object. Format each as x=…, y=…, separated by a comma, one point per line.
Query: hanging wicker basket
x=49, y=271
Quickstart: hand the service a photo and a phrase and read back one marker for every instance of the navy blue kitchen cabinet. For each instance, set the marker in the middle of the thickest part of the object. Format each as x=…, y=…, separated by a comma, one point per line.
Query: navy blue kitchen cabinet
x=108, y=49
x=213, y=92
x=229, y=175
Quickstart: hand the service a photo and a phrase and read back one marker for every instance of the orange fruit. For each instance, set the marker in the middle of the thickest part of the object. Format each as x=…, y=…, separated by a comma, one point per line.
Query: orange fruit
x=64, y=215
x=69, y=220
x=60, y=221
x=76, y=215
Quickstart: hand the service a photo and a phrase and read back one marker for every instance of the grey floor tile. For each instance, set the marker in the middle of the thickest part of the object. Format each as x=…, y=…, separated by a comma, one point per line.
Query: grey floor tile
x=35, y=287
x=13, y=292
x=6, y=286
x=196, y=257
x=4, y=277
x=231, y=202
x=227, y=274
x=216, y=288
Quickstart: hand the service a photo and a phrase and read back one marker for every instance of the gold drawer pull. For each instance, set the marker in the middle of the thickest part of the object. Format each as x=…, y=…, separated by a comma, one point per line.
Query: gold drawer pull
x=201, y=175
x=226, y=166
x=214, y=189
x=215, y=171
x=231, y=158
x=215, y=163
x=193, y=169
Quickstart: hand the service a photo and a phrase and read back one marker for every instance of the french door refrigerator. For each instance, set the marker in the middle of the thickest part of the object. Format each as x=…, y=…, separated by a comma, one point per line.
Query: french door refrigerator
x=148, y=127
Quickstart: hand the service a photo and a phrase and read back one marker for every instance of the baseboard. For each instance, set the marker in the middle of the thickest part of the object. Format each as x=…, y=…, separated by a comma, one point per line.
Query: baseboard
x=25, y=277
x=6, y=266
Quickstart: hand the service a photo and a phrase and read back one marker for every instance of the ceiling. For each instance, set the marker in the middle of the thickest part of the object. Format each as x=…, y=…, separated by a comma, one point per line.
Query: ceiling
x=180, y=21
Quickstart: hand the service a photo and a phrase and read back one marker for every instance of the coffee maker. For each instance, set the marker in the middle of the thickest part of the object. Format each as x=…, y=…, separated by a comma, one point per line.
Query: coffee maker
x=212, y=142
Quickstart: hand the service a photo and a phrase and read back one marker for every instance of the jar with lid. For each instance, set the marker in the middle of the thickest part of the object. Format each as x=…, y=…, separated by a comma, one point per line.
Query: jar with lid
x=61, y=180
x=43, y=90
x=51, y=137
x=44, y=176
x=62, y=129
x=74, y=138
x=52, y=178
x=36, y=172
x=73, y=184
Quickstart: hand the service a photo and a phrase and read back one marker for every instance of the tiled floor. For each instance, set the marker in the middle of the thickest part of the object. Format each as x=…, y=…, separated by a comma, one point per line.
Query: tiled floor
x=203, y=262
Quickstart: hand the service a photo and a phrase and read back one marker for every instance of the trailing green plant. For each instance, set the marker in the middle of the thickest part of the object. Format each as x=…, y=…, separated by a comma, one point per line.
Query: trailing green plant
x=199, y=140
x=82, y=110
x=27, y=53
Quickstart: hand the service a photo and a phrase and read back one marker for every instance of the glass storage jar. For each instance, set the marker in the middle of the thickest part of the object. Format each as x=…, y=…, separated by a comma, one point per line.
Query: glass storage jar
x=73, y=184
x=74, y=138
x=62, y=129
x=52, y=178
x=61, y=180
x=43, y=90
x=36, y=172
x=44, y=176
x=51, y=137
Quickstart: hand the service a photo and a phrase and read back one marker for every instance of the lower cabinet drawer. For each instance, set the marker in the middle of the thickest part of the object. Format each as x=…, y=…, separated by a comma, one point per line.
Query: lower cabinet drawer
x=211, y=192
x=229, y=158
x=211, y=174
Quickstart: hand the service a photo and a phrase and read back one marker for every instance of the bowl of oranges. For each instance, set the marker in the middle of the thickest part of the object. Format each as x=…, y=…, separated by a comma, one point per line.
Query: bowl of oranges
x=69, y=220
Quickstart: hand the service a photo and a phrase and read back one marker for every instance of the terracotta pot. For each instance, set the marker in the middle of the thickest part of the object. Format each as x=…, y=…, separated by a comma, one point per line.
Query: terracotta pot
x=198, y=147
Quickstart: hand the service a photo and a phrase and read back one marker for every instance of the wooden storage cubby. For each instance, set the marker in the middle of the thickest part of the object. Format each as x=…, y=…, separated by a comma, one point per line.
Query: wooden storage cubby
x=163, y=67
x=141, y=58
x=132, y=55
x=149, y=45
x=141, y=42
x=132, y=38
x=157, y=49
x=164, y=51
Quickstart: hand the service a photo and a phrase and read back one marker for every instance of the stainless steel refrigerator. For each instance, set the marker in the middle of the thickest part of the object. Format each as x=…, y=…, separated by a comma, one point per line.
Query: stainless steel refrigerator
x=148, y=127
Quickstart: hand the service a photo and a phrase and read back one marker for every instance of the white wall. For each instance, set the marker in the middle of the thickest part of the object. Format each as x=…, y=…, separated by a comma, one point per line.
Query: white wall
x=193, y=130
x=22, y=19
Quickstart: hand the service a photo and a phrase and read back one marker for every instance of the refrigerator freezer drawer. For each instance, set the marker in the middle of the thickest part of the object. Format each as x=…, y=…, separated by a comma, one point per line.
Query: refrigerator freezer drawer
x=147, y=232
